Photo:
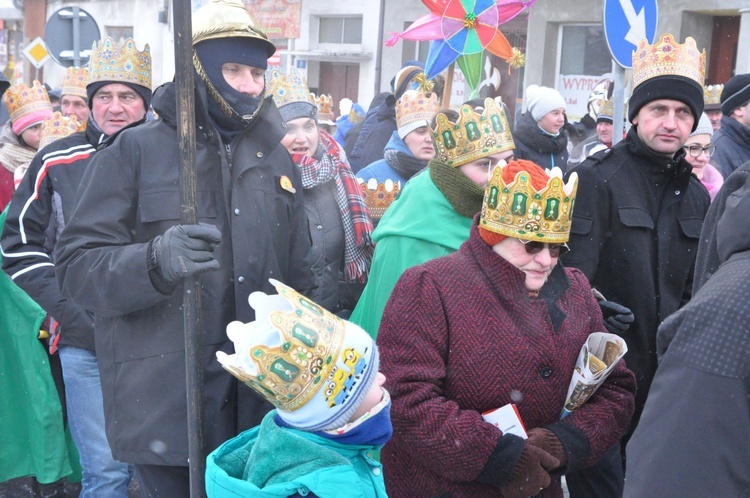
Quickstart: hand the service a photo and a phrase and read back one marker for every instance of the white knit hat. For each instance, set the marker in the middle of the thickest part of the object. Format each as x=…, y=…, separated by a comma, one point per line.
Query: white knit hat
x=315, y=367
x=541, y=99
x=704, y=127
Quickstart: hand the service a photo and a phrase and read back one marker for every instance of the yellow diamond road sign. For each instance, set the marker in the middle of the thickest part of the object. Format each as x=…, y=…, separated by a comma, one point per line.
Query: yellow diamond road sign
x=36, y=52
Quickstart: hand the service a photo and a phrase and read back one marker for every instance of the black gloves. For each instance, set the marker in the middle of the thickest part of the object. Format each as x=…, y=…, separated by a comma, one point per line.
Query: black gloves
x=617, y=318
x=185, y=250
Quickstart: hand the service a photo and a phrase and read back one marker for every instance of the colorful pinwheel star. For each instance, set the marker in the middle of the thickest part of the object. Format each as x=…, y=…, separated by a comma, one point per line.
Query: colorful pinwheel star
x=460, y=30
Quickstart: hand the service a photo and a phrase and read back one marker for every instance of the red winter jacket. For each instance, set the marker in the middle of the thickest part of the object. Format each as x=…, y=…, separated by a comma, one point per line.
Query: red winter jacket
x=460, y=336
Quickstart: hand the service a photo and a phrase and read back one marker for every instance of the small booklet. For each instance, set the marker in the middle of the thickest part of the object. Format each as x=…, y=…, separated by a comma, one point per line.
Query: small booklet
x=507, y=419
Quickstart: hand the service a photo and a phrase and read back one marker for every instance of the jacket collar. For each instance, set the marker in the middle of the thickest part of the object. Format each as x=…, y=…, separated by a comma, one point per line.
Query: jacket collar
x=654, y=164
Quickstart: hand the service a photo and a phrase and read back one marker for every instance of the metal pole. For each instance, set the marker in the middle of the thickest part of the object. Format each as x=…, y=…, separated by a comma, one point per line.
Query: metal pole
x=183, y=52
x=76, y=37
x=619, y=95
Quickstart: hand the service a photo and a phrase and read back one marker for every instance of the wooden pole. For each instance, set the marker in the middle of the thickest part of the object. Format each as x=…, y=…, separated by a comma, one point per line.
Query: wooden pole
x=446, y=101
x=183, y=52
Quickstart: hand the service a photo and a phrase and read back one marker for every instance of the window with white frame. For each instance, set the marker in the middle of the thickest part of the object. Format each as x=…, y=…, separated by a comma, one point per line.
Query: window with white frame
x=413, y=50
x=340, y=29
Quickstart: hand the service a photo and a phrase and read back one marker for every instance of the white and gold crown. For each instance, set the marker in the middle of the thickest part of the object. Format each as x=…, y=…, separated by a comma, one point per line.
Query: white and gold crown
x=712, y=95
x=324, y=103
x=312, y=365
x=378, y=196
x=288, y=89
x=59, y=126
x=416, y=108
x=120, y=62
x=22, y=100
x=75, y=81
x=473, y=135
x=519, y=210
x=666, y=57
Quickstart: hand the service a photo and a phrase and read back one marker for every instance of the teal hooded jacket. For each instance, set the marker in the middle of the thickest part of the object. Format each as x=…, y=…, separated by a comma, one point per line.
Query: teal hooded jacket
x=270, y=461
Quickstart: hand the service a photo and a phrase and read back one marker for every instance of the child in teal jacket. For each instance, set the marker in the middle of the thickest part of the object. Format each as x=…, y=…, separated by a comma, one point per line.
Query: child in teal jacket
x=332, y=414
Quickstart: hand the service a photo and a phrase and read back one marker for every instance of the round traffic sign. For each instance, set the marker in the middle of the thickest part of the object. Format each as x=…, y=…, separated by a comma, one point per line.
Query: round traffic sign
x=67, y=27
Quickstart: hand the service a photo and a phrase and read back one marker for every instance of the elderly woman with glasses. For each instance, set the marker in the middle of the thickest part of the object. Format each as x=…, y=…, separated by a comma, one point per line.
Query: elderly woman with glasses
x=698, y=151
x=498, y=322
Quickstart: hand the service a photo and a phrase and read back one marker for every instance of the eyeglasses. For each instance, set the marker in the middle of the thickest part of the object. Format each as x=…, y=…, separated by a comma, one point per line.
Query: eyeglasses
x=555, y=250
x=697, y=150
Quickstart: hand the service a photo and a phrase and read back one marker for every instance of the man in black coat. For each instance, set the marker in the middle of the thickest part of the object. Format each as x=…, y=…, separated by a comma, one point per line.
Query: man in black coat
x=638, y=217
x=124, y=254
x=732, y=140
x=41, y=206
x=694, y=433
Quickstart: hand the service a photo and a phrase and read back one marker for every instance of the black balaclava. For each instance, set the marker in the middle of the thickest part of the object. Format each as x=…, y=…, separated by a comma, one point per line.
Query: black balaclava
x=213, y=54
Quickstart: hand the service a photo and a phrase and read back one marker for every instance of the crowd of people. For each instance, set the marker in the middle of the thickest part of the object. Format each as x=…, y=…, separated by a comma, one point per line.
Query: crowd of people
x=373, y=285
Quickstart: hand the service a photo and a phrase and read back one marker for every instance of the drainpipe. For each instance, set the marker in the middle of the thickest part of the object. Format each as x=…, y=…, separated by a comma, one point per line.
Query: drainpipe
x=379, y=49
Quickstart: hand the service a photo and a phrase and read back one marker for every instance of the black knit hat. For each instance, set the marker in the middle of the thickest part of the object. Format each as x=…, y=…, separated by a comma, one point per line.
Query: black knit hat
x=736, y=93
x=671, y=87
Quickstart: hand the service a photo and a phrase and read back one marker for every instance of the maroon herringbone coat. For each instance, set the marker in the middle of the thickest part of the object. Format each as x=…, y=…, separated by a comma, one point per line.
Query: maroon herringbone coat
x=460, y=336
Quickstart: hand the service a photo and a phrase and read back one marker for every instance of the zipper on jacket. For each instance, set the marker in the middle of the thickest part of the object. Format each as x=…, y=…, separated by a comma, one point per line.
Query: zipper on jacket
x=228, y=148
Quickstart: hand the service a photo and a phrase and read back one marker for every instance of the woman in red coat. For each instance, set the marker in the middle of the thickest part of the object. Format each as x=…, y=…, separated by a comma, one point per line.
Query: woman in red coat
x=498, y=322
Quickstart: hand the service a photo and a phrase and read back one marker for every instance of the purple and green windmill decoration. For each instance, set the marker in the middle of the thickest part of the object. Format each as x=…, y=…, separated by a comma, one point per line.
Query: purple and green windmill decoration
x=460, y=31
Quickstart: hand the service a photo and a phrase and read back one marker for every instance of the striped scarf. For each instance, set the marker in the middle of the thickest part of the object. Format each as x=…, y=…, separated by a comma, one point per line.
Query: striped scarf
x=355, y=218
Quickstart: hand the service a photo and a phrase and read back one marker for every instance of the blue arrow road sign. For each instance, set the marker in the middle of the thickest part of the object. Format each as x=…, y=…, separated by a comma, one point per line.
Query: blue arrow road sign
x=626, y=22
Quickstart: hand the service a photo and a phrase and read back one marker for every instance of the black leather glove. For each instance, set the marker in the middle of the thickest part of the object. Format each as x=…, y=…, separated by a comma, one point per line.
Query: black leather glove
x=617, y=318
x=186, y=250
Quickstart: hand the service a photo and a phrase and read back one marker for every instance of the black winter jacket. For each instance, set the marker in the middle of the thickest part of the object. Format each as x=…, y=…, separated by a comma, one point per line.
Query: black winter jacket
x=128, y=196
x=732, y=143
x=541, y=148
x=41, y=205
x=373, y=138
x=635, y=232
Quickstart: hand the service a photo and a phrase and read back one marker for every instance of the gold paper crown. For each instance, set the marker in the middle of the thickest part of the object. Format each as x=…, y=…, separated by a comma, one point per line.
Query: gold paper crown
x=74, y=82
x=472, y=136
x=120, y=62
x=23, y=100
x=355, y=117
x=227, y=19
x=668, y=58
x=712, y=95
x=416, y=106
x=59, y=126
x=291, y=374
x=289, y=89
x=378, y=196
x=518, y=210
x=324, y=103
x=606, y=109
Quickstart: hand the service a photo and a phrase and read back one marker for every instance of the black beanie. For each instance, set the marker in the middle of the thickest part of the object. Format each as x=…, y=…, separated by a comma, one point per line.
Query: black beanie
x=144, y=92
x=670, y=87
x=735, y=93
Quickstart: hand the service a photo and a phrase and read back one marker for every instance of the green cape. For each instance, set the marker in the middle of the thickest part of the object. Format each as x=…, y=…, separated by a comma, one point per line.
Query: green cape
x=419, y=226
x=34, y=441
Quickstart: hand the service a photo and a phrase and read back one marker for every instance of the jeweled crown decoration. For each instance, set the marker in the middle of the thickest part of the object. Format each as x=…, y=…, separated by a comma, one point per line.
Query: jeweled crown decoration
x=712, y=94
x=324, y=103
x=287, y=89
x=473, y=135
x=518, y=210
x=120, y=62
x=291, y=374
x=606, y=109
x=59, y=126
x=378, y=196
x=23, y=100
x=666, y=57
x=75, y=81
x=415, y=106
